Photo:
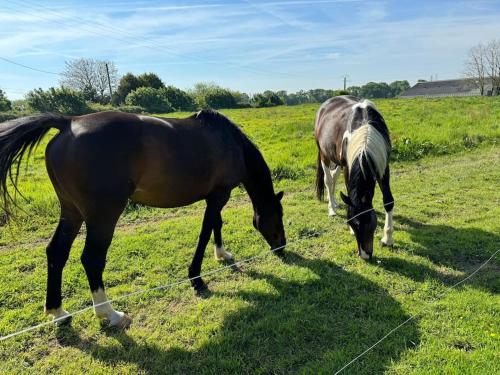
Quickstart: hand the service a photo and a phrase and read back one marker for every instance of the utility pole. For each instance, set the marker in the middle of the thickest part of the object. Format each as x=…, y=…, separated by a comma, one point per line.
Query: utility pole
x=109, y=82
x=345, y=82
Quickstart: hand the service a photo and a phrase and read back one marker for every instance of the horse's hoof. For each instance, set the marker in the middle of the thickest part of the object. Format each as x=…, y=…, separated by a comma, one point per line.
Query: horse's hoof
x=124, y=322
x=351, y=230
x=63, y=321
x=224, y=256
x=221, y=254
x=332, y=213
x=364, y=255
x=60, y=317
x=279, y=253
x=199, y=286
x=385, y=242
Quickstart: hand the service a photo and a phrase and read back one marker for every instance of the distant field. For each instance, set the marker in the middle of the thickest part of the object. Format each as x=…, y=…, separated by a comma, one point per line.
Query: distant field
x=315, y=310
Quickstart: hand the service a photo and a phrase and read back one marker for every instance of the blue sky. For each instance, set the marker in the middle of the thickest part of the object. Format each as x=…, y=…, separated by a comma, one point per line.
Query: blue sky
x=245, y=45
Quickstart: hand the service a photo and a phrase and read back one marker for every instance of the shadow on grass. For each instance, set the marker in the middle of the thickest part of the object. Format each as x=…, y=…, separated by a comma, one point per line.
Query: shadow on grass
x=462, y=249
x=312, y=326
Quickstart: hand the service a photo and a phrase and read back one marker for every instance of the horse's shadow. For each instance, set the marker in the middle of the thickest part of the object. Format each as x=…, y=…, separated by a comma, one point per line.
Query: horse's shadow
x=461, y=249
x=313, y=326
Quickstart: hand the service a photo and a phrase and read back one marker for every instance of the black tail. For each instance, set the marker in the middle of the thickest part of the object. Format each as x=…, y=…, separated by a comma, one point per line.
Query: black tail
x=18, y=137
x=320, y=183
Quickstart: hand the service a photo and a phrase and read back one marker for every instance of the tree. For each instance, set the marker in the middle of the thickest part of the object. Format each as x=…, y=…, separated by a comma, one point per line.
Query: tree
x=90, y=75
x=493, y=68
x=5, y=104
x=180, y=100
x=128, y=83
x=220, y=98
x=397, y=87
x=375, y=90
x=150, y=80
x=475, y=67
x=267, y=99
x=210, y=95
x=62, y=100
x=151, y=99
x=354, y=90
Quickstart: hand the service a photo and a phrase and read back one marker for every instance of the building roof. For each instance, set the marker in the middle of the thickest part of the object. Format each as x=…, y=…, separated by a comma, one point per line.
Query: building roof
x=449, y=87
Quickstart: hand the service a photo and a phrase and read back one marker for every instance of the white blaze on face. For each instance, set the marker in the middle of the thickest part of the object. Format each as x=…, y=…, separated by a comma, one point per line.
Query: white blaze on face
x=221, y=254
x=103, y=308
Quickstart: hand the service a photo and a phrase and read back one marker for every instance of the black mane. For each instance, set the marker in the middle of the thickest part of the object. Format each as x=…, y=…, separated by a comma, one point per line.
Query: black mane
x=258, y=182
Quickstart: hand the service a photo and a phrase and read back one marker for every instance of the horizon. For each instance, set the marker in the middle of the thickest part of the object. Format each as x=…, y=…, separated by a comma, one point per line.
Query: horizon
x=249, y=46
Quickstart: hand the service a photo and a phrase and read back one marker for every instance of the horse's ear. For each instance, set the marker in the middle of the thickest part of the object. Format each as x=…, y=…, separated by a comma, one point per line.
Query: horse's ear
x=280, y=195
x=346, y=199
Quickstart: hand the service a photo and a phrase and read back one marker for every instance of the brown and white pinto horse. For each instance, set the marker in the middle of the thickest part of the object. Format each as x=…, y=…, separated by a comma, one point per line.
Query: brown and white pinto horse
x=351, y=134
x=98, y=162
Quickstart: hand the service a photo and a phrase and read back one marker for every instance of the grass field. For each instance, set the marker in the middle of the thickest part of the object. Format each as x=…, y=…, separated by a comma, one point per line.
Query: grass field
x=321, y=305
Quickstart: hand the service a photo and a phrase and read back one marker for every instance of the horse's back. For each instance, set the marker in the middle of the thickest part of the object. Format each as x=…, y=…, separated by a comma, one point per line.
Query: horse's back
x=331, y=123
x=158, y=162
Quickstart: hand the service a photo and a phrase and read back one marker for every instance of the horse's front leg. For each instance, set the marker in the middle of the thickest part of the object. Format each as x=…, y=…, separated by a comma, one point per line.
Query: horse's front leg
x=211, y=220
x=387, y=239
x=219, y=252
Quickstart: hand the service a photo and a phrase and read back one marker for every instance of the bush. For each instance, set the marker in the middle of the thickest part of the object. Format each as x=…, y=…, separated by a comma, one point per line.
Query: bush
x=152, y=100
x=130, y=109
x=282, y=172
x=61, y=100
x=7, y=116
x=267, y=99
x=5, y=104
x=209, y=95
x=127, y=84
x=220, y=98
x=178, y=99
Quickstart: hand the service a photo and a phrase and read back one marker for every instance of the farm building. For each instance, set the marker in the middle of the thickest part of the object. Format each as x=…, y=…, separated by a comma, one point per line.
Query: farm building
x=449, y=87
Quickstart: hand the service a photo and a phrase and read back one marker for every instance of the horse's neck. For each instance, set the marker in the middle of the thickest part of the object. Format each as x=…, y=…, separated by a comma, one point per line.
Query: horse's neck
x=258, y=182
x=360, y=184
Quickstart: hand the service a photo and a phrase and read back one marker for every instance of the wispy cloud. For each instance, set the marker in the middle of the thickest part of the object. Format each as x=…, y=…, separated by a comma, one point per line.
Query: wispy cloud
x=231, y=41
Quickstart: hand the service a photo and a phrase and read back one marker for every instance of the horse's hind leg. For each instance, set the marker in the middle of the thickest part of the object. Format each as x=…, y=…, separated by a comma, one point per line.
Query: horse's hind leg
x=100, y=229
x=57, y=255
x=219, y=252
x=385, y=187
x=330, y=182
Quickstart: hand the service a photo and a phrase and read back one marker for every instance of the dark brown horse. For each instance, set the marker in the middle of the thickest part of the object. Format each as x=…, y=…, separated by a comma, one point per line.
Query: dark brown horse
x=99, y=161
x=351, y=134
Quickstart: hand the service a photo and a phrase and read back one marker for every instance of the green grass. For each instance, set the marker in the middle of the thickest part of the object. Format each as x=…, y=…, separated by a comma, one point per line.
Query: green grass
x=309, y=313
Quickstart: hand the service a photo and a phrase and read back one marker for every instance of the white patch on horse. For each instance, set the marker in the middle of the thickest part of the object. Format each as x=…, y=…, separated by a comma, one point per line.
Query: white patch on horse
x=330, y=179
x=221, y=254
x=387, y=240
x=366, y=141
x=103, y=310
x=57, y=313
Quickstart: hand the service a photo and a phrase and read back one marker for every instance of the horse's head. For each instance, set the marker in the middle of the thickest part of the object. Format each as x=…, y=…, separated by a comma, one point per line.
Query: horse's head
x=363, y=221
x=269, y=222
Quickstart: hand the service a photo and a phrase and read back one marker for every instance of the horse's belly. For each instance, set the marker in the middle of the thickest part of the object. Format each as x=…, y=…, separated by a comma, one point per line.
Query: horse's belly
x=170, y=194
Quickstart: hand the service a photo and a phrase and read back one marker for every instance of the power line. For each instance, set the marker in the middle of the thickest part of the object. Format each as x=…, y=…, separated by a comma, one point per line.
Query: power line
x=141, y=41
x=28, y=67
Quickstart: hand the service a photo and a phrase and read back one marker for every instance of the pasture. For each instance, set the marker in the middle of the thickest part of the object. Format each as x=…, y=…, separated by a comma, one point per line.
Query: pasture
x=312, y=311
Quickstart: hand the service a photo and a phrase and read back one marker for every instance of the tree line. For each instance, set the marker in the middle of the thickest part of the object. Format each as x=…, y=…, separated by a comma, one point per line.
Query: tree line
x=88, y=85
